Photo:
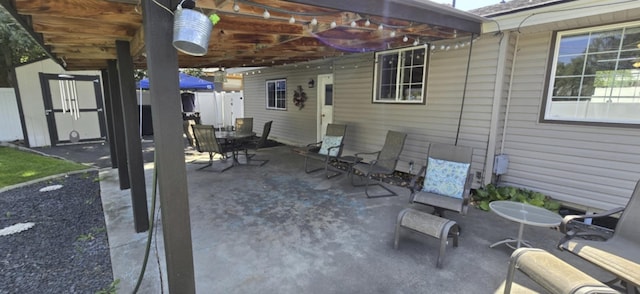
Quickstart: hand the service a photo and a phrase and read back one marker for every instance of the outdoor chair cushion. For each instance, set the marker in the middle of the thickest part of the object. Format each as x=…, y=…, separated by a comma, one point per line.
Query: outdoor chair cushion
x=445, y=177
x=328, y=142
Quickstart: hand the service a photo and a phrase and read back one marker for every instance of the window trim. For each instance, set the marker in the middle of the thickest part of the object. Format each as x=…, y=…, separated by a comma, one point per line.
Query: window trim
x=425, y=71
x=266, y=96
x=550, y=77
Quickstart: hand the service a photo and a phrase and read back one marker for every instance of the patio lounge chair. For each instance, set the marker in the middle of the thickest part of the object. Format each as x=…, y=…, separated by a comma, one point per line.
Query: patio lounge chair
x=206, y=141
x=330, y=148
x=447, y=179
x=257, y=143
x=384, y=164
x=620, y=254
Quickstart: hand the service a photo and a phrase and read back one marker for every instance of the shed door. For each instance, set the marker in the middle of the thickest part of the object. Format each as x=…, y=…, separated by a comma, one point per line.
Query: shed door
x=74, y=109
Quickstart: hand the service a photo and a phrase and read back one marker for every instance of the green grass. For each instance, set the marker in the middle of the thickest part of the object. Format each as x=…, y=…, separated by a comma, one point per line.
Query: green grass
x=18, y=166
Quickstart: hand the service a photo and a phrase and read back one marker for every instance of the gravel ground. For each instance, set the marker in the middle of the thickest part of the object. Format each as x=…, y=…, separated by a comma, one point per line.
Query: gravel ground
x=67, y=250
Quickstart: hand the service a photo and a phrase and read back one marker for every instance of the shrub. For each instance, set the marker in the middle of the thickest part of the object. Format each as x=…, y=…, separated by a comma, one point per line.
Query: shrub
x=489, y=193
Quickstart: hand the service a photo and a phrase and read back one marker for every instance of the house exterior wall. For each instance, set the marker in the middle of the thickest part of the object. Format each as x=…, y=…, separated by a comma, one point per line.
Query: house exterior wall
x=291, y=126
x=588, y=167
x=367, y=123
x=31, y=97
x=10, y=128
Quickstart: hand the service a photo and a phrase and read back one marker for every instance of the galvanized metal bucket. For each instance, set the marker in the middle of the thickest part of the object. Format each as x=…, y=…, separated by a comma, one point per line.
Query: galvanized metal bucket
x=191, y=31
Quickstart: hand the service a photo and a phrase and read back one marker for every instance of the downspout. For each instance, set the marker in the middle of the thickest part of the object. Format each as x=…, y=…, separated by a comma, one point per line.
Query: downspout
x=506, y=113
x=495, y=110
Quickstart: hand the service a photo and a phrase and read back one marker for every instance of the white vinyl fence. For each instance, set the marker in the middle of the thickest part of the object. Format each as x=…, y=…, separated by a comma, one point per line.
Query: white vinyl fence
x=10, y=128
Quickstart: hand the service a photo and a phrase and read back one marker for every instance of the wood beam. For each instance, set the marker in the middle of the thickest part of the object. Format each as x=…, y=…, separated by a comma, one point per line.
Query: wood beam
x=98, y=11
x=135, y=163
x=410, y=10
x=53, y=24
x=168, y=137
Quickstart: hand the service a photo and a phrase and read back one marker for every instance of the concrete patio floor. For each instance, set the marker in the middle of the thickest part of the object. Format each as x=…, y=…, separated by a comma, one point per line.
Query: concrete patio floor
x=276, y=229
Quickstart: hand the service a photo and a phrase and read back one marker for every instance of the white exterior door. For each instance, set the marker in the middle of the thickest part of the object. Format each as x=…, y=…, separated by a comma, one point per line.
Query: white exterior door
x=325, y=103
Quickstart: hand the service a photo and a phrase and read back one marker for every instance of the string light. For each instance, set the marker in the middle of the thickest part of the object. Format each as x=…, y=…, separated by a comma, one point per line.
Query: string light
x=353, y=24
x=236, y=7
x=416, y=42
x=292, y=20
x=392, y=34
x=266, y=14
x=314, y=21
x=367, y=23
x=380, y=27
x=333, y=24
x=405, y=39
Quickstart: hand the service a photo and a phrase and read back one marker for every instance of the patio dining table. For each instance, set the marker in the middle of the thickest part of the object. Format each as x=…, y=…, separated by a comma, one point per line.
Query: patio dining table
x=234, y=139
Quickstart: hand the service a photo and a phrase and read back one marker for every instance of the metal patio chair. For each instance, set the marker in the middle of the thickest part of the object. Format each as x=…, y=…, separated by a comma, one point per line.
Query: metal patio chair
x=327, y=150
x=257, y=143
x=440, y=190
x=244, y=125
x=620, y=254
x=206, y=141
x=384, y=164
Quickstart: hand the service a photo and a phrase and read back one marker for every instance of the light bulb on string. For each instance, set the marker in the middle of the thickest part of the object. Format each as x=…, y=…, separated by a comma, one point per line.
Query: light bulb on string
x=392, y=34
x=333, y=24
x=405, y=39
x=266, y=14
x=380, y=27
x=353, y=24
x=292, y=20
x=236, y=7
x=314, y=21
x=367, y=23
x=416, y=42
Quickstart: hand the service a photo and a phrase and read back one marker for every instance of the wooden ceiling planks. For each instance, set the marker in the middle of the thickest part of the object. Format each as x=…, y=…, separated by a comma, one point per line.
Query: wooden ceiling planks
x=84, y=32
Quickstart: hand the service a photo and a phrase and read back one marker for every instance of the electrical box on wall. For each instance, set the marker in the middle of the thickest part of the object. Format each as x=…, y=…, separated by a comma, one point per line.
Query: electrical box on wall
x=500, y=164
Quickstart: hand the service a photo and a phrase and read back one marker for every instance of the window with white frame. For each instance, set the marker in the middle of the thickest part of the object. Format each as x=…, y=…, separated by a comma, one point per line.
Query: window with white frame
x=277, y=94
x=595, y=76
x=400, y=75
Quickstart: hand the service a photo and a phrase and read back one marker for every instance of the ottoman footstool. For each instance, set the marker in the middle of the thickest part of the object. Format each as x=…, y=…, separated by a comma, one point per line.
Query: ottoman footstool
x=430, y=225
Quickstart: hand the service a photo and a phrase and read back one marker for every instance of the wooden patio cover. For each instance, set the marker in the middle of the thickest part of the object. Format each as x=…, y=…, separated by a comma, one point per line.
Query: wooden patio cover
x=81, y=34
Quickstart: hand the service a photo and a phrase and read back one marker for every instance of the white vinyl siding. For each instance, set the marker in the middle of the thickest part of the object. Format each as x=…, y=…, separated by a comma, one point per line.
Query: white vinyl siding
x=293, y=126
x=367, y=123
x=582, y=165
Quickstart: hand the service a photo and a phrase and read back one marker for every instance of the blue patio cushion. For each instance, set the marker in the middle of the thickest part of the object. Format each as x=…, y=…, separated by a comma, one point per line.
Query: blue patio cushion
x=330, y=141
x=445, y=177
